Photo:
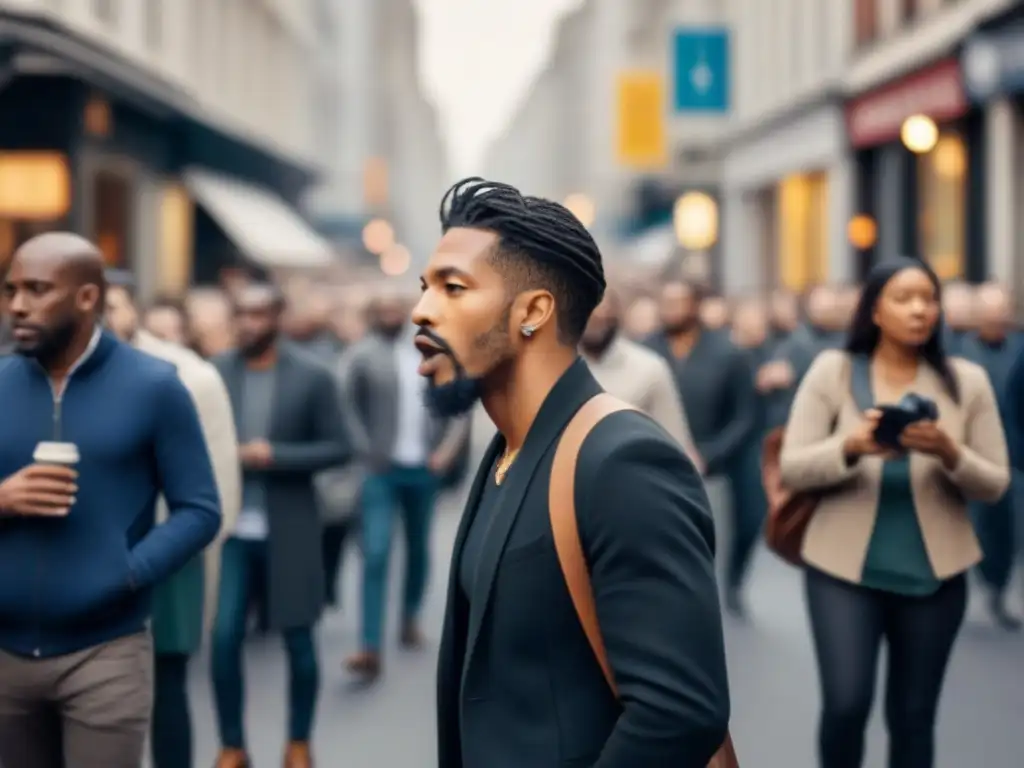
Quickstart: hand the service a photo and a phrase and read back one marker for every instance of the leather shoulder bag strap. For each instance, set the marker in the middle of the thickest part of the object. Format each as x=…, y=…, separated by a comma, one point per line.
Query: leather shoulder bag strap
x=564, y=526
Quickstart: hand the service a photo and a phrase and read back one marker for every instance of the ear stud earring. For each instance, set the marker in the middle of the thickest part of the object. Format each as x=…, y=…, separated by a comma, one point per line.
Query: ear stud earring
x=527, y=330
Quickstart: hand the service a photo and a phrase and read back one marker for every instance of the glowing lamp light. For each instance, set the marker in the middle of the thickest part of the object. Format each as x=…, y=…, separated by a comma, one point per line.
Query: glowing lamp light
x=862, y=232
x=583, y=208
x=919, y=134
x=395, y=261
x=378, y=236
x=695, y=219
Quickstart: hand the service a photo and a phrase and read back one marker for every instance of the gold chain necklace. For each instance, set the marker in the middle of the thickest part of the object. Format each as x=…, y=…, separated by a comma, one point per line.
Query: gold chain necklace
x=504, y=465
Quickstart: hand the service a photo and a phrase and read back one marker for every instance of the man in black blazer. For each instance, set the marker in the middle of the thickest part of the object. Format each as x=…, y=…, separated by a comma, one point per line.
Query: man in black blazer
x=506, y=296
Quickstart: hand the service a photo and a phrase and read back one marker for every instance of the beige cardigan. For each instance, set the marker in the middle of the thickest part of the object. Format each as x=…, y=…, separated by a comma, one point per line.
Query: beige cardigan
x=213, y=405
x=640, y=377
x=812, y=460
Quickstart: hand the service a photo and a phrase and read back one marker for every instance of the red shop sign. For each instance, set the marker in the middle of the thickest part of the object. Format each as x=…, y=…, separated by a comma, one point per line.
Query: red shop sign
x=876, y=117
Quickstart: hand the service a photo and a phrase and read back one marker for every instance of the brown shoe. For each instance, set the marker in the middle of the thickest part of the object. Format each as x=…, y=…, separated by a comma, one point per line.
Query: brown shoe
x=232, y=758
x=297, y=755
x=365, y=665
x=411, y=638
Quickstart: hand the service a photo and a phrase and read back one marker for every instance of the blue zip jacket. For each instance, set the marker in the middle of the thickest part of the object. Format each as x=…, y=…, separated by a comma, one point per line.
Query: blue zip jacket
x=71, y=583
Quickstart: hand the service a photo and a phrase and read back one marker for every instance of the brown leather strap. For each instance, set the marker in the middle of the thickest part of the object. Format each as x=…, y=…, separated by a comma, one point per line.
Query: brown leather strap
x=564, y=527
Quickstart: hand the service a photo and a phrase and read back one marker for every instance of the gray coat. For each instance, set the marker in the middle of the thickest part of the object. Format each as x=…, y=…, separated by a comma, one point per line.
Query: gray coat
x=307, y=435
x=369, y=385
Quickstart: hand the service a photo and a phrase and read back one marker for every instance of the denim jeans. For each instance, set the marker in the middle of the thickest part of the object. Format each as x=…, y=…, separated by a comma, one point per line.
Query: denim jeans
x=243, y=573
x=410, y=491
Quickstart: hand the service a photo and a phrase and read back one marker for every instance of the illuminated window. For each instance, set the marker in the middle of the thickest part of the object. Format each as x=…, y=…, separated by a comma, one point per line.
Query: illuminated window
x=942, y=192
x=112, y=201
x=34, y=186
x=802, y=231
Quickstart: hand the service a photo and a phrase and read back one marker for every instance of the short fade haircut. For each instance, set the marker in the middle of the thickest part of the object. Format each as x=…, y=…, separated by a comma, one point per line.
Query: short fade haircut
x=541, y=246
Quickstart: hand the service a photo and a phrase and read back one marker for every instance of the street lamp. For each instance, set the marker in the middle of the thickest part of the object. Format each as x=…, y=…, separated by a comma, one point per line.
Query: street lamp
x=395, y=261
x=862, y=232
x=919, y=134
x=378, y=236
x=582, y=207
x=695, y=220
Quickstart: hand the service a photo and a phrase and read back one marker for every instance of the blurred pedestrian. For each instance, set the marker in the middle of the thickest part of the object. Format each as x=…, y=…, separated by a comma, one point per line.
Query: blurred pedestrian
x=290, y=427
x=958, y=308
x=749, y=504
x=716, y=384
x=995, y=347
x=181, y=603
x=634, y=373
x=506, y=298
x=404, y=451
x=891, y=540
x=166, y=319
x=81, y=548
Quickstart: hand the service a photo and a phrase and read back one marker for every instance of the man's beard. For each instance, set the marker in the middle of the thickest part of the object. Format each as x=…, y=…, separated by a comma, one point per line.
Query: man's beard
x=458, y=396
x=685, y=325
x=257, y=346
x=50, y=343
x=598, y=346
x=391, y=332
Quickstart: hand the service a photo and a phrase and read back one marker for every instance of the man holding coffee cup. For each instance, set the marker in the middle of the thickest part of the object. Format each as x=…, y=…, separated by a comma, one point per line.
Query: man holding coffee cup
x=95, y=433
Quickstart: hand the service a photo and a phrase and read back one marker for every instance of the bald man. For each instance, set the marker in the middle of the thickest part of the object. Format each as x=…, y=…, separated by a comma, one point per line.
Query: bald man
x=80, y=550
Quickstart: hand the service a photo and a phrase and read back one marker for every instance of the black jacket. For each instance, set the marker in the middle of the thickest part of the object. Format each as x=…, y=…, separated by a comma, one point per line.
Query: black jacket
x=517, y=683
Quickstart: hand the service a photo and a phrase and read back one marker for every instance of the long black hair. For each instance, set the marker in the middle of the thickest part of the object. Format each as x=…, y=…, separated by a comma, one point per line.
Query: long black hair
x=864, y=334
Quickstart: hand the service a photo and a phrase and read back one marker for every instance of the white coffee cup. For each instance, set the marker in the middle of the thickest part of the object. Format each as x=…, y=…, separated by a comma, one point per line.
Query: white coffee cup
x=56, y=454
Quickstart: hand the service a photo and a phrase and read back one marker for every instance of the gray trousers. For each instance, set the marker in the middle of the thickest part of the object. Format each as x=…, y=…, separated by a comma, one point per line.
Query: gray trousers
x=721, y=509
x=89, y=709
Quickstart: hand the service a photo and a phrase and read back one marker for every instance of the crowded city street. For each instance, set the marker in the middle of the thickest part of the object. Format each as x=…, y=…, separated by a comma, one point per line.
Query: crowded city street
x=512, y=384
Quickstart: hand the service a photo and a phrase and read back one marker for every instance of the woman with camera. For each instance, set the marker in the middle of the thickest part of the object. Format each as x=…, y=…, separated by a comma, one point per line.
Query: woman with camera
x=890, y=540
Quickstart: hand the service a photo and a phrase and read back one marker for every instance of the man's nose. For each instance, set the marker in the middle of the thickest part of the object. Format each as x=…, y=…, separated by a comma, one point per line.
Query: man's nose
x=17, y=305
x=425, y=311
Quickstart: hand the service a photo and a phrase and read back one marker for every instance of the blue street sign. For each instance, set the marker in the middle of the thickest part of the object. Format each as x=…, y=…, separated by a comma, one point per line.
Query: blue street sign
x=700, y=60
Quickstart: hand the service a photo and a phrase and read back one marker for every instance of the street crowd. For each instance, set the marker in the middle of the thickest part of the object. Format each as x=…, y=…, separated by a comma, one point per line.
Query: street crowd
x=190, y=471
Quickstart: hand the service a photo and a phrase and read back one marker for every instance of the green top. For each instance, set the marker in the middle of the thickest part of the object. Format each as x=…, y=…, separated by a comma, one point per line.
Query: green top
x=897, y=560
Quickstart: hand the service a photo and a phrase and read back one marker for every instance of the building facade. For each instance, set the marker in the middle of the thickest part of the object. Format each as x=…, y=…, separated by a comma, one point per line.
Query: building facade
x=380, y=138
x=926, y=176
x=177, y=135
x=786, y=173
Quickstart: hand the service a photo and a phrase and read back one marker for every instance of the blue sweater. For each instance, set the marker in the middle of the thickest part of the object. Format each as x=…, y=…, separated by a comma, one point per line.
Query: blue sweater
x=71, y=583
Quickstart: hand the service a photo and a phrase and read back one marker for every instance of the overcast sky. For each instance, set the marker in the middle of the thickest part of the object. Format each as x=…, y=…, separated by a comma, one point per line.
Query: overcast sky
x=479, y=58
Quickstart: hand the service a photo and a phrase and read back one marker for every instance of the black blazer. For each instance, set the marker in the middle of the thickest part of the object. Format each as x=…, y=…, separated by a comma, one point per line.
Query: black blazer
x=518, y=685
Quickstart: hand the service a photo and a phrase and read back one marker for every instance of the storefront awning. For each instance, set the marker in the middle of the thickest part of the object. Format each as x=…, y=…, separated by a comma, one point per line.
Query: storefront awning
x=262, y=225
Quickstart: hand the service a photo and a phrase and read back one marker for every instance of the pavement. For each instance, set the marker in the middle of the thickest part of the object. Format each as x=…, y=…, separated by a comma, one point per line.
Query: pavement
x=771, y=668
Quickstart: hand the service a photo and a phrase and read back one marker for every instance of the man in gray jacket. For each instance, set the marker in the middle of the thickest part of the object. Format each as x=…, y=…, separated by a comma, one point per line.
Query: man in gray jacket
x=404, y=452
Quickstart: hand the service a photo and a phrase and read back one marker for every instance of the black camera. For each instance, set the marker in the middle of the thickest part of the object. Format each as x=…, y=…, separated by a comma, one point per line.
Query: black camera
x=895, y=418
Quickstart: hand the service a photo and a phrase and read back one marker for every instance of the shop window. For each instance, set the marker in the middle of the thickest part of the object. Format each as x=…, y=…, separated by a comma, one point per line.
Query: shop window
x=112, y=214
x=865, y=21
x=802, y=227
x=942, y=195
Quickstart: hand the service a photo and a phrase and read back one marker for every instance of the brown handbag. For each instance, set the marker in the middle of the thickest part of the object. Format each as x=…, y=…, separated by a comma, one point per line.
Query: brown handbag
x=562, y=511
x=789, y=513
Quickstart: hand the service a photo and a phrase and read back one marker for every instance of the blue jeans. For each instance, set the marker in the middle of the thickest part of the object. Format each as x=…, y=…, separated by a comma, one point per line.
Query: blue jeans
x=410, y=490
x=243, y=574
